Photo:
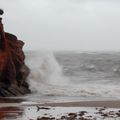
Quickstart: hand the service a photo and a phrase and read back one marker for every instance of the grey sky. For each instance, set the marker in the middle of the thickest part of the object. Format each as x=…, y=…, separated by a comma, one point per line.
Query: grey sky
x=64, y=24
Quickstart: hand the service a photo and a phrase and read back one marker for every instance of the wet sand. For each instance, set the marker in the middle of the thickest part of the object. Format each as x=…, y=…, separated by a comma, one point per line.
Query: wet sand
x=110, y=104
x=33, y=111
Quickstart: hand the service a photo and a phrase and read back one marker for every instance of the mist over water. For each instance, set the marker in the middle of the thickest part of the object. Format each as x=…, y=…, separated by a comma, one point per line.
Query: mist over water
x=45, y=70
x=74, y=74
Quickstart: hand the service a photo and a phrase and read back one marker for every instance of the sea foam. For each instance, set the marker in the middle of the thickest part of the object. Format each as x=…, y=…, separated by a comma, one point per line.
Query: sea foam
x=47, y=78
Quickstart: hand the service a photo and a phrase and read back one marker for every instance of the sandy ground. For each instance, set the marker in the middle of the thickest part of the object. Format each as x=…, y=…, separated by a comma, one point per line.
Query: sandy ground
x=110, y=104
x=84, y=110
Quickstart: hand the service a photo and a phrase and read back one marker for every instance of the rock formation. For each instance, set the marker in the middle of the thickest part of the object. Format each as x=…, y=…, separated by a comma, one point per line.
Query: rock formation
x=13, y=71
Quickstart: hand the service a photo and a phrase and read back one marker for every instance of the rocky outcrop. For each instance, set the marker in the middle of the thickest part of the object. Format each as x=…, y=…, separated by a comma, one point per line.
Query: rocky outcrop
x=13, y=71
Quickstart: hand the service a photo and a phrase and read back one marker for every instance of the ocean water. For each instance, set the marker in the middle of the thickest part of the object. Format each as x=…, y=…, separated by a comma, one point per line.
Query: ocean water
x=73, y=76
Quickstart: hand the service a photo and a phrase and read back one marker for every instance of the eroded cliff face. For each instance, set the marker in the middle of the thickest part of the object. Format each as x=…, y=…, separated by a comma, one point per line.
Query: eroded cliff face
x=13, y=71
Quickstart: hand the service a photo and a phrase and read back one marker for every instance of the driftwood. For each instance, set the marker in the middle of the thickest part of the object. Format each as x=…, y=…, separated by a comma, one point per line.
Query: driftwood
x=13, y=71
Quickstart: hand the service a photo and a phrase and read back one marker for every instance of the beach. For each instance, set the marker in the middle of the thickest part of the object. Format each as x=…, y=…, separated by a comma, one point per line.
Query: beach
x=60, y=60
x=83, y=110
x=68, y=86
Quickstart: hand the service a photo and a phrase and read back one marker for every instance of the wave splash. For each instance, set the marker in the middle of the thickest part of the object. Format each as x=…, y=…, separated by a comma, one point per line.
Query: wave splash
x=45, y=70
x=47, y=78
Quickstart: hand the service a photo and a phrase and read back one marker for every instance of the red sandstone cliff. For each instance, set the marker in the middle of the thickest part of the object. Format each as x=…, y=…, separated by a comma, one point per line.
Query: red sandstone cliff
x=13, y=71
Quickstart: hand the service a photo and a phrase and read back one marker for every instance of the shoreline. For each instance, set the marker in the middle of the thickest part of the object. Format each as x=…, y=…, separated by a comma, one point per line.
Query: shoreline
x=84, y=110
x=110, y=104
x=105, y=103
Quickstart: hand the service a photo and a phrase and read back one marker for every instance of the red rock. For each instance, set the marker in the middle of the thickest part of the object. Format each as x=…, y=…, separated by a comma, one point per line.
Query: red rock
x=13, y=71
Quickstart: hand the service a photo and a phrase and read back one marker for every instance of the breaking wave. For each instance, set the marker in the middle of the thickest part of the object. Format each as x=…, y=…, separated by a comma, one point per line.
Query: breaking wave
x=47, y=78
x=44, y=70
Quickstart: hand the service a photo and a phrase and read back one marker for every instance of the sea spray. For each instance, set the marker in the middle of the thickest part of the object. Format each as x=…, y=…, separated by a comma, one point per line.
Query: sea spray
x=44, y=70
x=47, y=77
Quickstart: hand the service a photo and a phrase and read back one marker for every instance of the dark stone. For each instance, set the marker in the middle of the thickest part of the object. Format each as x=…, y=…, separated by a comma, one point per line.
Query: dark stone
x=73, y=115
x=45, y=118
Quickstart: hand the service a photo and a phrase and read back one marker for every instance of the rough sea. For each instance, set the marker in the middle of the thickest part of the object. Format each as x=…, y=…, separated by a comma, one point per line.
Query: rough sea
x=73, y=76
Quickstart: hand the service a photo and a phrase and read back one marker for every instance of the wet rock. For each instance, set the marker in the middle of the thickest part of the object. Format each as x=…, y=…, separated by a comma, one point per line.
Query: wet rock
x=82, y=113
x=13, y=71
x=118, y=114
x=46, y=118
x=105, y=115
x=63, y=117
x=73, y=115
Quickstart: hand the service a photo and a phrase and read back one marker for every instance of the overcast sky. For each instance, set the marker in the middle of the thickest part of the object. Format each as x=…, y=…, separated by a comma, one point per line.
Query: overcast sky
x=64, y=24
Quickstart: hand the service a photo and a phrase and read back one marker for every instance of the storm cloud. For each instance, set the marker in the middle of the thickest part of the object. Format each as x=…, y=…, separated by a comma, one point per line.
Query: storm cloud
x=64, y=24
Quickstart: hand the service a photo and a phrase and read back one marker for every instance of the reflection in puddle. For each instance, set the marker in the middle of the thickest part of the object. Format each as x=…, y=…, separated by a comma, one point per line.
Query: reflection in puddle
x=11, y=113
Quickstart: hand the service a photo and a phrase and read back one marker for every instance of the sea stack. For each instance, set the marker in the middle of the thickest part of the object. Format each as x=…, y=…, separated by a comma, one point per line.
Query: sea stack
x=13, y=71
